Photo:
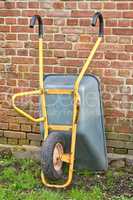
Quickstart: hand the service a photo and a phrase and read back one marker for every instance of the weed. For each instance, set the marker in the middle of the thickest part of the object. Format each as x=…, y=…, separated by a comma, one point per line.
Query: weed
x=20, y=180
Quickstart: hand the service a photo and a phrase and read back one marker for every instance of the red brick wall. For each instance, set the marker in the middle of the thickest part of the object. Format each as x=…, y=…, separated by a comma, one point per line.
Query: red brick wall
x=67, y=41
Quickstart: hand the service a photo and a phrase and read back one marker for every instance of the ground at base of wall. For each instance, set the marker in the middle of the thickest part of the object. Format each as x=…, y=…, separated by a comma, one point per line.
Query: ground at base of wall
x=33, y=152
x=20, y=180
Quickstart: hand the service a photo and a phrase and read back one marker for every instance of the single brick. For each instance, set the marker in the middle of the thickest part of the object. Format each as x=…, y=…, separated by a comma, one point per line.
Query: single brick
x=14, y=126
x=122, y=6
x=120, y=144
x=6, y=13
x=36, y=143
x=109, y=5
x=4, y=28
x=72, y=22
x=83, y=5
x=59, y=54
x=96, y=5
x=23, y=142
x=25, y=128
x=21, y=4
x=3, y=140
x=120, y=150
x=12, y=141
x=70, y=5
x=58, y=5
x=59, y=45
x=130, y=152
x=59, y=69
x=34, y=5
x=36, y=137
x=22, y=60
x=14, y=134
x=118, y=136
x=3, y=125
x=81, y=13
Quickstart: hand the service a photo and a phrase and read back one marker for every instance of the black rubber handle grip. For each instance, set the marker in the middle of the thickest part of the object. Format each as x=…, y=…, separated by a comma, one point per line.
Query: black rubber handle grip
x=101, y=23
x=33, y=21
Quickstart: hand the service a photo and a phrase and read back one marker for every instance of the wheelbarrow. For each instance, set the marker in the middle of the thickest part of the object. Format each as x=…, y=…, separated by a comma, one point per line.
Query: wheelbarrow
x=71, y=118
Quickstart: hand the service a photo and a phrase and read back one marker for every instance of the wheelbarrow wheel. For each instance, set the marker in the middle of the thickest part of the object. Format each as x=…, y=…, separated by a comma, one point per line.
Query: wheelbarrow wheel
x=52, y=149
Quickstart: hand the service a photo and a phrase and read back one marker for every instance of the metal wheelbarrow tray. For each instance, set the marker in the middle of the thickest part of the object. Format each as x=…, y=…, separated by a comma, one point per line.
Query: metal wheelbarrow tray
x=90, y=146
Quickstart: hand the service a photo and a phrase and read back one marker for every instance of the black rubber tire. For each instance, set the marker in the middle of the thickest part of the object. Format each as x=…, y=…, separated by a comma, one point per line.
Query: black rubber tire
x=47, y=155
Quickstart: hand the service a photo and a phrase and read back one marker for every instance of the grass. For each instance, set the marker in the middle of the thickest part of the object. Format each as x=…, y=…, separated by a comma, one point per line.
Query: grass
x=20, y=180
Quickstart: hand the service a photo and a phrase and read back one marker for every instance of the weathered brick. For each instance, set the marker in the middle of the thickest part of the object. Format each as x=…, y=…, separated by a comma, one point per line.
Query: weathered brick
x=22, y=60
x=122, y=6
x=35, y=137
x=130, y=152
x=10, y=21
x=122, y=31
x=83, y=5
x=128, y=14
x=120, y=144
x=60, y=13
x=48, y=21
x=59, y=54
x=14, y=126
x=4, y=13
x=96, y=5
x=22, y=4
x=71, y=70
x=22, y=21
x=72, y=22
x=59, y=70
x=58, y=5
x=11, y=37
x=84, y=22
x=109, y=5
x=33, y=5
x=59, y=37
x=81, y=13
x=120, y=151
x=3, y=140
x=118, y=136
x=76, y=63
x=26, y=128
x=3, y=125
x=36, y=143
x=14, y=134
x=46, y=5
x=61, y=45
x=70, y=5
x=12, y=141
x=4, y=28
x=23, y=142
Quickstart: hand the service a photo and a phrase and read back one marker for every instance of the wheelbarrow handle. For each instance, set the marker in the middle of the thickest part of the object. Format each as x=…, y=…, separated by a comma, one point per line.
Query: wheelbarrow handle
x=33, y=21
x=101, y=23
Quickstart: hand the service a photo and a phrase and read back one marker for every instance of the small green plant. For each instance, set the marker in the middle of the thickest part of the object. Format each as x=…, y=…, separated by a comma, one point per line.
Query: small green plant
x=96, y=194
x=78, y=194
x=110, y=179
x=8, y=174
x=81, y=194
x=122, y=198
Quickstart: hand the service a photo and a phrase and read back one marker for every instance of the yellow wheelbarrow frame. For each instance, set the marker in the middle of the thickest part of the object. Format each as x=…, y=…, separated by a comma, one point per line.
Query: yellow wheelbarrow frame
x=42, y=91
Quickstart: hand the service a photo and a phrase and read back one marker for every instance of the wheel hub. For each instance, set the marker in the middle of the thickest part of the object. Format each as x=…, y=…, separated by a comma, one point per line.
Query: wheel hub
x=57, y=154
